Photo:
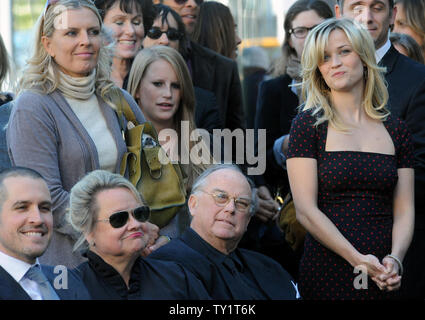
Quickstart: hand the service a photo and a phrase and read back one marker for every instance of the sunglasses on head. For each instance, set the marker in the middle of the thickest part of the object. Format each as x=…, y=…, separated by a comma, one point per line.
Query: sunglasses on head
x=172, y=33
x=198, y=2
x=52, y=2
x=119, y=219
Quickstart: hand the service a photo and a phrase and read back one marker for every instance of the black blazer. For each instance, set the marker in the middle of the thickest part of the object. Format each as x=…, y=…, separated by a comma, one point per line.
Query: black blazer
x=189, y=251
x=406, y=87
x=12, y=290
x=149, y=280
x=214, y=72
x=276, y=107
x=207, y=114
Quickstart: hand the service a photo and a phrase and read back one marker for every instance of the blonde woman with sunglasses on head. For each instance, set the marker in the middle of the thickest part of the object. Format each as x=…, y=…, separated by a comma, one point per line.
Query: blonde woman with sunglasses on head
x=63, y=124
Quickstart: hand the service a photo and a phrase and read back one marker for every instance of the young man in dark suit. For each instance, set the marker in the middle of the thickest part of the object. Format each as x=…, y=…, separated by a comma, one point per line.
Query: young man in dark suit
x=221, y=208
x=406, y=87
x=26, y=224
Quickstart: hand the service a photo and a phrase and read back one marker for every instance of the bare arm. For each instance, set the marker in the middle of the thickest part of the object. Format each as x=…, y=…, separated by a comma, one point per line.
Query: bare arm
x=404, y=220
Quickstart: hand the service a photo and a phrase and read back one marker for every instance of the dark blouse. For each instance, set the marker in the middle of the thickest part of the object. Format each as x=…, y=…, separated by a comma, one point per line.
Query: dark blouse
x=149, y=280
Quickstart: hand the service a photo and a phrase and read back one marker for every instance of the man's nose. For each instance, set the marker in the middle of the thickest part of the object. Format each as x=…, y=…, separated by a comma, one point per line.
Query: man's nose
x=34, y=216
x=365, y=16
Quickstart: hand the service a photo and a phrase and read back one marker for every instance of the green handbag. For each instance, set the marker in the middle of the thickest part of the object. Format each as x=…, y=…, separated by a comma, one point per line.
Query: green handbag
x=161, y=185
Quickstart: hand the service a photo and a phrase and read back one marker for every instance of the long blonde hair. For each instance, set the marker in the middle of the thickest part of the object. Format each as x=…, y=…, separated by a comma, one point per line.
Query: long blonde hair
x=316, y=92
x=41, y=74
x=186, y=109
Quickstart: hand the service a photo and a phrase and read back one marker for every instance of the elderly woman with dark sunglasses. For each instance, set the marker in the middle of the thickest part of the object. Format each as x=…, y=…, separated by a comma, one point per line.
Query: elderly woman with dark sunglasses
x=109, y=215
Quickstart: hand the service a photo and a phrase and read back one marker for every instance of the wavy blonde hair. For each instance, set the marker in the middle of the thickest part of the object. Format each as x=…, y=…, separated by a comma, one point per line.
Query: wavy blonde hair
x=186, y=108
x=41, y=74
x=316, y=92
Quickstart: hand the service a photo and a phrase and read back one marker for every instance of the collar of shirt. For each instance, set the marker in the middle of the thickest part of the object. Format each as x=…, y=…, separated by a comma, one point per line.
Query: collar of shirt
x=215, y=255
x=380, y=53
x=15, y=267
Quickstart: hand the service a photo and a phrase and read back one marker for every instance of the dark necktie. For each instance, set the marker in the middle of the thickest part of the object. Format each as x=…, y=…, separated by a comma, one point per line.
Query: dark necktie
x=239, y=288
x=47, y=292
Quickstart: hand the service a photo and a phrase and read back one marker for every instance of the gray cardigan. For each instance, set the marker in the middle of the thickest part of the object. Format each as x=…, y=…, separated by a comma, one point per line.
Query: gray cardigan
x=45, y=134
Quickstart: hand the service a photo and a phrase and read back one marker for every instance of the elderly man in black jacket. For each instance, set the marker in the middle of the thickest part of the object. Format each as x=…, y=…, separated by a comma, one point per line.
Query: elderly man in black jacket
x=221, y=207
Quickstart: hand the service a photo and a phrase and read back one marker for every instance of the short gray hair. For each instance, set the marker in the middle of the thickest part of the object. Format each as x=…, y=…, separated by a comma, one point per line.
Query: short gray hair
x=83, y=208
x=200, y=181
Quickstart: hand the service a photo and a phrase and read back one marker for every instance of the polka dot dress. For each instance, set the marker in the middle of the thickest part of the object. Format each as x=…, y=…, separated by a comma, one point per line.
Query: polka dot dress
x=355, y=191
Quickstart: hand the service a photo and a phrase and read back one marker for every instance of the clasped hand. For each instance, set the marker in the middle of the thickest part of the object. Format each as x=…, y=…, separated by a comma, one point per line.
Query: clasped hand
x=385, y=274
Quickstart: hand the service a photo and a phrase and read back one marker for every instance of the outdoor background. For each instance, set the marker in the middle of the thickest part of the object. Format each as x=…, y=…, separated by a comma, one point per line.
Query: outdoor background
x=260, y=23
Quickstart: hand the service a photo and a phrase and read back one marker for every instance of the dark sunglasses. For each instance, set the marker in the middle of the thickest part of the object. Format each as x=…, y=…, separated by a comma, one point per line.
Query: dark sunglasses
x=172, y=33
x=198, y=2
x=119, y=219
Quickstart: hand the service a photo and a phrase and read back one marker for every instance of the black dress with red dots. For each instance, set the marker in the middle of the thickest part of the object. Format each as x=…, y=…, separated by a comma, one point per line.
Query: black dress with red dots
x=355, y=191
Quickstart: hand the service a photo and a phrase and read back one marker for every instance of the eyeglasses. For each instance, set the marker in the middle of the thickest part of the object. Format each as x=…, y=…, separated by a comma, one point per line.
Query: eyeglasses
x=198, y=2
x=301, y=32
x=221, y=199
x=172, y=33
x=119, y=219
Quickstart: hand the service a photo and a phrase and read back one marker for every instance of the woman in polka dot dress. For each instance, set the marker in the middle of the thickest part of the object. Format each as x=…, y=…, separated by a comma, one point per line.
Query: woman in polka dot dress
x=350, y=170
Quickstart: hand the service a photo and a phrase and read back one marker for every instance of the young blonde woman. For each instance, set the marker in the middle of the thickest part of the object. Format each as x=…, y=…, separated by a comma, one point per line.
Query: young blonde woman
x=160, y=83
x=350, y=170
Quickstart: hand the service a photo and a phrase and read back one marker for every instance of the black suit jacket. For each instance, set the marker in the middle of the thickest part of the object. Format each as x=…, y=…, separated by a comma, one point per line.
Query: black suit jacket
x=12, y=290
x=406, y=87
x=214, y=72
x=190, y=251
x=276, y=107
x=207, y=114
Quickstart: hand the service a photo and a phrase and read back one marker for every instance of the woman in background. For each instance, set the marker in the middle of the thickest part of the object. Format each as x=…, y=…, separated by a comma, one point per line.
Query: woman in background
x=410, y=19
x=406, y=45
x=216, y=29
x=127, y=20
x=160, y=83
x=168, y=29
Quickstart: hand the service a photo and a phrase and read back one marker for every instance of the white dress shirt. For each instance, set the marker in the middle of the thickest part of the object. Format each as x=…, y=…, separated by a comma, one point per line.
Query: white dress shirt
x=380, y=53
x=17, y=269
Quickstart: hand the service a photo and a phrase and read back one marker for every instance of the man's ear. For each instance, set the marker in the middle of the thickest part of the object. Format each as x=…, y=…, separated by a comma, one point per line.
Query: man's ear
x=45, y=41
x=392, y=18
x=192, y=203
x=338, y=11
